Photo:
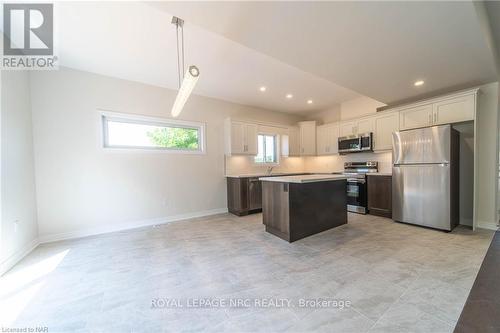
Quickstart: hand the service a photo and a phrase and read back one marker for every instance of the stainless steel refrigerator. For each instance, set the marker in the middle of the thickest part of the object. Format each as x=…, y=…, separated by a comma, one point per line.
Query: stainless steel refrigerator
x=425, y=177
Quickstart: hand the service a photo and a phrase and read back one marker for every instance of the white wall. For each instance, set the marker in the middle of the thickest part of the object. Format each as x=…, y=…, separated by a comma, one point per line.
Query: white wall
x=84, y=189
x=354, y=108
x=358, y=107
x=18, y=205
x=330, y=115
x=487, y=150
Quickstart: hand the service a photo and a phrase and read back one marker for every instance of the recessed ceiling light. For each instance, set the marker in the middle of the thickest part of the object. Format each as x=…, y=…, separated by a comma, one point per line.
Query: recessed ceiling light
x=262, y=88
x=289, y=96
x=310, y=101
x=418, y=83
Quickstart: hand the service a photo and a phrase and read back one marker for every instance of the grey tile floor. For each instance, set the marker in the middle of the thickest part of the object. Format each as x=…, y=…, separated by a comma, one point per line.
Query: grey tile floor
x=397, y=278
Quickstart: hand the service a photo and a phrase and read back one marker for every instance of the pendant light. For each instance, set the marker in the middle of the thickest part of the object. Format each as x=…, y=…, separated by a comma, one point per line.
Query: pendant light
x=189, y=77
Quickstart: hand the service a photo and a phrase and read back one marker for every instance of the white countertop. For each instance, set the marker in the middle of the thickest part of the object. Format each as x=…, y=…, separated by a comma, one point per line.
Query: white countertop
x=250, y=175
x=304, y=178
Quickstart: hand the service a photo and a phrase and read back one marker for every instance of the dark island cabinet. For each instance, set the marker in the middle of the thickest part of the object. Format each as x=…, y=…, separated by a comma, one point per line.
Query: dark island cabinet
x=244, y=195
x=380, y=195
x=292, y=211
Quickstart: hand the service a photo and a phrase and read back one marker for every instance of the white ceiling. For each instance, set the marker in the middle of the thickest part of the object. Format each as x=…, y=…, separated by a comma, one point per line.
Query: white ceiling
x=135, y=41
x=374, y=48
x=329, y=52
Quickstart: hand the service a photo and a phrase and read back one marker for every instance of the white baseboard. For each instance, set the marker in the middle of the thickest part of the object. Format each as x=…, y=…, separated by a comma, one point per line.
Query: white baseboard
x=487, y=225
x=126, y=226
x=17, y=256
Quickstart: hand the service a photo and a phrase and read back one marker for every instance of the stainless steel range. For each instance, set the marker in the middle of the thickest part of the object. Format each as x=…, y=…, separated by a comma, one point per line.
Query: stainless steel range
x=357, y=198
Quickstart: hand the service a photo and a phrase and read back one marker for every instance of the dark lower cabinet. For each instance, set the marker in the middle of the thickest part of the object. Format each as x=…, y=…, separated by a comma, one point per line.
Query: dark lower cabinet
x=380, y=195
x=293, y=211
x=254, y=194
x=244, y=195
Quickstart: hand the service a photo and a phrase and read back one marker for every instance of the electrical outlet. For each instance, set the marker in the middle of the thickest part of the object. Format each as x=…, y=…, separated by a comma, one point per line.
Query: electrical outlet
x=16, y=225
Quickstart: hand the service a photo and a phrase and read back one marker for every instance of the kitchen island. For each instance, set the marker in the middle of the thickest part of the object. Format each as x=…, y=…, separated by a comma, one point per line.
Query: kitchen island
x=294, y=207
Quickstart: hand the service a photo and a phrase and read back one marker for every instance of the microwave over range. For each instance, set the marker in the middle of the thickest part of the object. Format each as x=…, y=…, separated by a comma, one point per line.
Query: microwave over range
x=356, y=143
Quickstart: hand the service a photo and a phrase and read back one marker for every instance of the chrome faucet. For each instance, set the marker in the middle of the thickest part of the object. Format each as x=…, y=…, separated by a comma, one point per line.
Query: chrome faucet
x=269, y=170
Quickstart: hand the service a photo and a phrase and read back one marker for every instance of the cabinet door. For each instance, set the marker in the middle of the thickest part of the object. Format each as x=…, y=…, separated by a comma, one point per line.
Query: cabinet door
x=385, y=125
x=365, y=126
x=237, y=138
x=347, y=129
x=293, y=141
x=454, y=110
x=420, y=116
x=254, y=194
x=322, y=140
x=308, y=138
x=285, y=145
x=333, y=139
x=380, y=195
x=251, y=139
x=237, y=195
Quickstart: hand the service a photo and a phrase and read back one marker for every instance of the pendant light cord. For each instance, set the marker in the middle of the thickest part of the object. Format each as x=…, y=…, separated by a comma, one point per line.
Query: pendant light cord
x=182, y=39
x=180, y=48
x=178, y=56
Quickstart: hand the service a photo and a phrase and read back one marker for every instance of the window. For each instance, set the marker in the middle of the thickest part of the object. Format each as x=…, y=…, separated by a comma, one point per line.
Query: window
x=267, y=149
x=125, y=131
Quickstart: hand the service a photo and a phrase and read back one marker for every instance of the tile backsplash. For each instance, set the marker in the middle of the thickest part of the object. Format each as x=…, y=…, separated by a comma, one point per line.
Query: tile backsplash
x=334, y=163
x=236, y=165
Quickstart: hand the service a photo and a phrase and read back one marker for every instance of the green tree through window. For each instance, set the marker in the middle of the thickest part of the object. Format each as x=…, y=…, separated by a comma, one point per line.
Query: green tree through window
x=174, y=137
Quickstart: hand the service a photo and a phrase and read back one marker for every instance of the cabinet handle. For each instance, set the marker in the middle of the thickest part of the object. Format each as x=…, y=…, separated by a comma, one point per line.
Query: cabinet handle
x=430, y=119
x=435, y=117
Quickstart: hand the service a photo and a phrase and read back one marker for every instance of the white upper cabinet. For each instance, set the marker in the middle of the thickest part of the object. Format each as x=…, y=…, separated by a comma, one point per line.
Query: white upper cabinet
x=348, y=128
x=321, y=140
x=290, y=143
x=385, y=124
x=444, y=110
x=327, y=139
x=355, y=127
x=365, y=125
x=420, y=116
x=241, y=138
x=454, y=110
x=250, y=139
x=307, y=138
x=294, y=141
x=235, y=135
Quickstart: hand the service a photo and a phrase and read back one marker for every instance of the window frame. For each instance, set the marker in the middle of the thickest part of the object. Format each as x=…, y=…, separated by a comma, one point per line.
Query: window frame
x=106, y=116
x=276, y=150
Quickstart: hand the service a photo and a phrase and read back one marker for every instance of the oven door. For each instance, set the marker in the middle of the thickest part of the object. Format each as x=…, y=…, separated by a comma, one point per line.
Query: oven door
x=349, y=144
x=356, y=195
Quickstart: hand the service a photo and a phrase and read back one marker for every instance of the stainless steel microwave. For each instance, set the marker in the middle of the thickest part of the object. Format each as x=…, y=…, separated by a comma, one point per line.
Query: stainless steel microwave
x=356, y=143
